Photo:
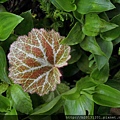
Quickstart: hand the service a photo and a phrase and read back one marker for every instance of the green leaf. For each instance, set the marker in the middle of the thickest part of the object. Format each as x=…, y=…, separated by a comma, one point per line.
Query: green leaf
x=66, y=5
x=75, y=35
x=107, y=48
x=2, y=8
x=70, y=70
x=83, y=64
x=106, y=96
x=2, y=1
x=106, y=26
x=8, y=22
x=79, y=106
x=85, y=83
x=3, y=73
x=21, y=100
x=62, y=88
x=46, y=107
x=92, y=25
x=89, y=44
x=85, y=6
x=3, y=87
x=4, y=104
x=26, y=25
x=11, y=115
x=112, y=34
x=75, y=54
x=100, y=76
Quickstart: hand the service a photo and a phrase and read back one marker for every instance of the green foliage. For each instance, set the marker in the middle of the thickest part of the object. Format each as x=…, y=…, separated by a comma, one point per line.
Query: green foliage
x=92, y=76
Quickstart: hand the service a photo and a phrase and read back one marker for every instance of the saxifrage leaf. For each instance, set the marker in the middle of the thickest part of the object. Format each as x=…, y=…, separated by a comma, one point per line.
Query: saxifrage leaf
x=35, y=60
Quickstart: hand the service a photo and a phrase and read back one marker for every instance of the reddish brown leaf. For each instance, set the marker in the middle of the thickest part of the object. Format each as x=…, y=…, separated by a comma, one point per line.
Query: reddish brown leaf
x=35, y=60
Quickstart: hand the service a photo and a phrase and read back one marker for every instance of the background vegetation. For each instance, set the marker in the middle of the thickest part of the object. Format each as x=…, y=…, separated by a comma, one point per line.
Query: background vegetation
x=90, y=83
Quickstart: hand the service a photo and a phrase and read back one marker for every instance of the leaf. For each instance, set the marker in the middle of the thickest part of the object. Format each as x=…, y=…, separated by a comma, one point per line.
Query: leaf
x=3, y=73
x=35, y=60
x=8, y=22
x=89, y=44
x=112, y=34
x=100, y=76
x=2, y=1
x=4, y=104
x=21, y=100
x=75, y=35
x=2, y=8
x=67, y=5
x=11, y=115
x=107, y=48
x=79, y=106
x=46, y=107
x=75, y=54
x=85, y=6
x=26, y=25
x=106, y=96
x=92, y=24
x=3, y=87
x=83, y=64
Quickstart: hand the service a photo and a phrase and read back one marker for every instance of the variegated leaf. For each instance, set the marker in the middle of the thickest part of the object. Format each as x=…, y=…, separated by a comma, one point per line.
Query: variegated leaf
x=35, y=59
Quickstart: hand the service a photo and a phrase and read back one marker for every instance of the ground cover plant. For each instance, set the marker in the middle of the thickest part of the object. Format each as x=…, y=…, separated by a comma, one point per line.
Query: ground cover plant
x=59, y=58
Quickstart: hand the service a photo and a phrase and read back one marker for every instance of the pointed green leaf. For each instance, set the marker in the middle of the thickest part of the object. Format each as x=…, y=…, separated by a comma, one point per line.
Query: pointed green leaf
x=101, y=76
x=2, y=1
x=106, y=96
x=107, y=48
x=8, y=22
x=89, y=44
x=66, y=5
x=21, y=100
x=75, y=35
x=85, y=6
x=4, y=104
x=3, y=72
x=26, y=25
x=79, y=106
x=112, y=34
x=46, y=107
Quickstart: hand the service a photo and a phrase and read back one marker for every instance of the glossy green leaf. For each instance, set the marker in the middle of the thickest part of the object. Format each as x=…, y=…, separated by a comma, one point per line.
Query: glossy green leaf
x=85, y=83
x=75, y=54
x=75, y=35
x=89, y=44
x=107, y=48
x=79, y=106
x=106, y=26
x=8, y=22
x=3, y=72
x=26, y=25
x=106, y=96
x=83, y=64
x=112, y=34
x=21, y=100
x=92, y=25
x=85, y=6
x=67, y=5
x=46, y=107
x=3, y=87
x=4, y=104
x=101, y=76
x=11, y=115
